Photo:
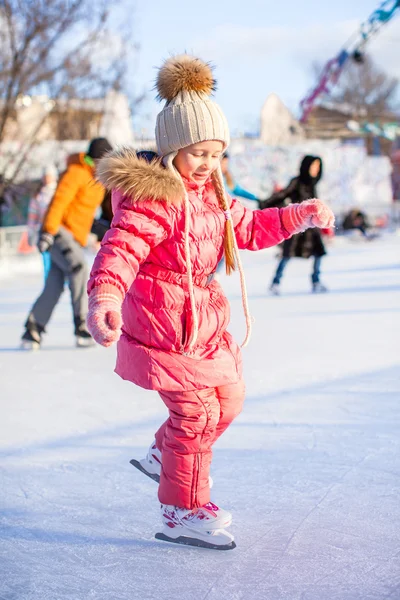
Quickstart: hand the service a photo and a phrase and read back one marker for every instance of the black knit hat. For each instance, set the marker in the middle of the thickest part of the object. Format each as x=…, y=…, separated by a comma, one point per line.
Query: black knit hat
x=147, y=155
x=98, y=147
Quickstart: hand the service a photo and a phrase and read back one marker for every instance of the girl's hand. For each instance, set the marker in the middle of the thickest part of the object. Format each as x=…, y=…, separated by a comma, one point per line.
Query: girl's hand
x=104, y=317
x=311, y=213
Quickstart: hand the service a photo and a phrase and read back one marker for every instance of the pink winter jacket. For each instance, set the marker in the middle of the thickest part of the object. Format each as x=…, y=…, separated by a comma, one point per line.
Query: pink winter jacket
x=143, y=256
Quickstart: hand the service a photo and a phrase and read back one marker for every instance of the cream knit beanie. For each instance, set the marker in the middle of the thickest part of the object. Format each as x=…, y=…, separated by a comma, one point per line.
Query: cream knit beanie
x=189, y=115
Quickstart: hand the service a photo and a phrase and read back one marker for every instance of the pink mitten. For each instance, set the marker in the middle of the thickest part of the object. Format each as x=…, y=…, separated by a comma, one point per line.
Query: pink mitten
x=311, y=213
x=104, y=317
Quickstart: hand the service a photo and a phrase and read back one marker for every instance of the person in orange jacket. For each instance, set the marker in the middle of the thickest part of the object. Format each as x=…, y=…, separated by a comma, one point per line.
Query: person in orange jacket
x=64, y=233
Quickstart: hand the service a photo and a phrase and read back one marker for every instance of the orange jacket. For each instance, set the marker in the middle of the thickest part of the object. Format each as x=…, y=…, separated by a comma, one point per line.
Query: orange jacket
x=75, y=201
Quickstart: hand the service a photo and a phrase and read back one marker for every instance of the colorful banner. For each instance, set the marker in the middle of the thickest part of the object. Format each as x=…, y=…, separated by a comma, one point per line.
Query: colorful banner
x=389, y=131
x=334, y=67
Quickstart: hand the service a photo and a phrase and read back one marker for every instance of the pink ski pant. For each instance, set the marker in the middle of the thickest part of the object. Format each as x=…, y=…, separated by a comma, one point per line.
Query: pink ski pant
x=196, y=420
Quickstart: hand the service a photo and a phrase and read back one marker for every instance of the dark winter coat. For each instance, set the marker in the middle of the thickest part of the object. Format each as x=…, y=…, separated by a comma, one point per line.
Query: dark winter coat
x=101, y=225
x=300, y=188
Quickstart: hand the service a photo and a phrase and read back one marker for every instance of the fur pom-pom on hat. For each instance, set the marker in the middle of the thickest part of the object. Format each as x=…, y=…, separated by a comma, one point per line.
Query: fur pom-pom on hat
x=184, y=73
x=189, y=115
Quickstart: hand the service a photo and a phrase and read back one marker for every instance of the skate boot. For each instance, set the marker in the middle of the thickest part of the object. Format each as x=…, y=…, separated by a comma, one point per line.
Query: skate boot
x=83, y=339
x=32, y=338
x=319, y=288
x=203, y=527
x=274, y=289
x=151, y=465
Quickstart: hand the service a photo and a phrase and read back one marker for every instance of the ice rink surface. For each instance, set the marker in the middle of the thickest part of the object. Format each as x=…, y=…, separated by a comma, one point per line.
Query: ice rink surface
x=310, y=469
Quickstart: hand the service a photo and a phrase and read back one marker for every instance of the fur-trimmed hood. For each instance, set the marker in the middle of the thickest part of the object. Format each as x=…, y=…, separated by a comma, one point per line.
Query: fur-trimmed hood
x=138, y=179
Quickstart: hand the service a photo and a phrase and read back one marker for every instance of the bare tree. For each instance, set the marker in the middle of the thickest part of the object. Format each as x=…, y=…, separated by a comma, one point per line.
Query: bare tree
x=365, y=88
x=59, y=49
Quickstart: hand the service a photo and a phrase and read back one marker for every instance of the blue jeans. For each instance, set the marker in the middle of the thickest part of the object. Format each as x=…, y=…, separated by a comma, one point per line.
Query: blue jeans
x=284, y=261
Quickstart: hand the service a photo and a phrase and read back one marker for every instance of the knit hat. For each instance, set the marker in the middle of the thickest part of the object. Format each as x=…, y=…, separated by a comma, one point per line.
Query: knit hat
x=98, y=147
x=189, y=115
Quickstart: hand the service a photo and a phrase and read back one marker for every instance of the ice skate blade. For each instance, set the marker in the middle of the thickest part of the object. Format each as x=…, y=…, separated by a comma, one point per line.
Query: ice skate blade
x=195, y=542
x=84, y=342
x=138, y=466
x=29, y=346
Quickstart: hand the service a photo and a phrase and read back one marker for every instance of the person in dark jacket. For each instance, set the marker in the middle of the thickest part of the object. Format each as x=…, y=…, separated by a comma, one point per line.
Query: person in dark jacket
x=231, y=186
x=234, y=190
x=103, y=223
x=309, y=243
x=356, y=219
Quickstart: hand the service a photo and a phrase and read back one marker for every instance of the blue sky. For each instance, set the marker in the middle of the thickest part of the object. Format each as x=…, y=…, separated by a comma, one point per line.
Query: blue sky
x=257, y=48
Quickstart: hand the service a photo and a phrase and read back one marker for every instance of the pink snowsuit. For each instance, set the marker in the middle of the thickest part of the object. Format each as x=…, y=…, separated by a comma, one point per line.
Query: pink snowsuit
x=143, y=258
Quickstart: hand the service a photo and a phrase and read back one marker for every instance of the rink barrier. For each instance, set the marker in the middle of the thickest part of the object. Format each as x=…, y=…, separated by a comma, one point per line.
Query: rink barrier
x=12, y=241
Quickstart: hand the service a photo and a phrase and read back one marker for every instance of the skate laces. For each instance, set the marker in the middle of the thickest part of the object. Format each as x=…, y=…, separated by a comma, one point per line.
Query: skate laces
x=177, y=514
x=197, y=514
x=210, y=506
x=207, y=511
x=206, y=517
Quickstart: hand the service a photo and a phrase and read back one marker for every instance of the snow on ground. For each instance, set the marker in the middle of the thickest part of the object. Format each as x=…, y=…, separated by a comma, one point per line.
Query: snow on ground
x=310, y=469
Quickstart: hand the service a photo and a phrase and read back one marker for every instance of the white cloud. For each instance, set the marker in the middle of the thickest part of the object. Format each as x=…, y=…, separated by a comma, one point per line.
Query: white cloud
x=233, y=44
x=252, y=62
x=255, y=61
x=385, y=47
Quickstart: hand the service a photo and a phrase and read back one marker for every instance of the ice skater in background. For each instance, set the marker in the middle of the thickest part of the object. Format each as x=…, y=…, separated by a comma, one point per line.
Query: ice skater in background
x=37, y=209
x=231, y=186
x=150, y=290
x=307, y=243
x=64, y=234
x=233, y=189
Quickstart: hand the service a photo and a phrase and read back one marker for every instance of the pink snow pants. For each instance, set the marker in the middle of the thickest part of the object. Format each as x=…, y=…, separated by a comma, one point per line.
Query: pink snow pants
x=196, y=420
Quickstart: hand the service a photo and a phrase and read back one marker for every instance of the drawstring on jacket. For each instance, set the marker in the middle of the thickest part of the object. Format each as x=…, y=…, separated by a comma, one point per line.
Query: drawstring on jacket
x=245, y=303
x=219, y=182
x=168, y=162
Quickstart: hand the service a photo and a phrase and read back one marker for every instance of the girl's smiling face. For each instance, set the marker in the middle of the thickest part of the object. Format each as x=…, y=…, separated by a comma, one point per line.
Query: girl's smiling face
x=197, y=161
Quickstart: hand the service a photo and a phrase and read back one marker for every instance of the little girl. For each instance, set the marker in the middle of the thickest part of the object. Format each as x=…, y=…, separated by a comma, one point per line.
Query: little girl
x=151, y=289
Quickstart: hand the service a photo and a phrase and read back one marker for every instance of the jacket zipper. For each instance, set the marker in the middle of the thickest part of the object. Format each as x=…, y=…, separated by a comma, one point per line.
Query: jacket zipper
x=196, y=482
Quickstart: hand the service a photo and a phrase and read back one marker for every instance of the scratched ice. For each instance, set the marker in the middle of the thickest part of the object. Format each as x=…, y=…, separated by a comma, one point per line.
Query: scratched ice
x=310, y=469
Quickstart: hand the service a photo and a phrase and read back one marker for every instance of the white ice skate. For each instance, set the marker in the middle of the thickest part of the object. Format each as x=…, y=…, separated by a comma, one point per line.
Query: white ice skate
x=319, y=288
x=31, y=340
x=203, y=527
x=84, y=342
x=26, y=345
x=83, y=339
x=151, y=465
x=274, y=289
